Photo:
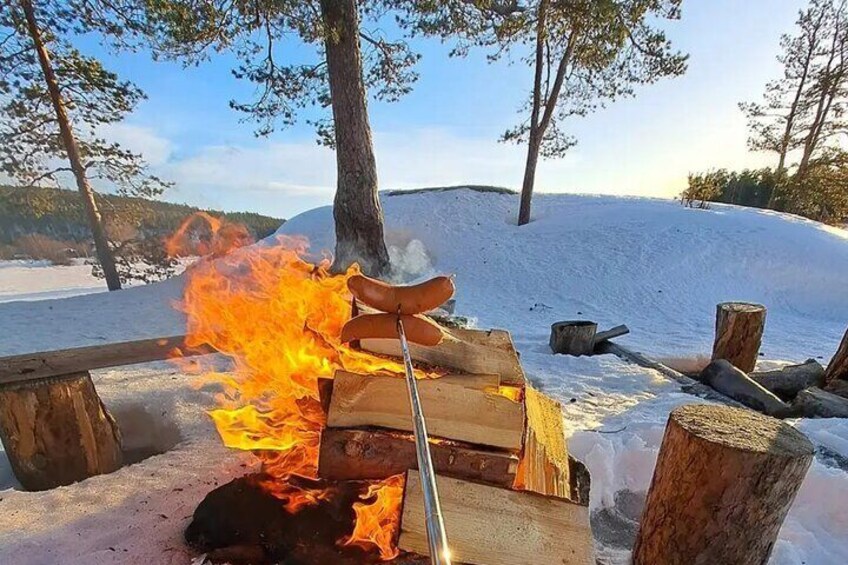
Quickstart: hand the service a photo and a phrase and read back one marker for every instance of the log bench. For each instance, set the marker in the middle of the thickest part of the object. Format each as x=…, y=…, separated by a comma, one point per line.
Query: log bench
x=54, y=427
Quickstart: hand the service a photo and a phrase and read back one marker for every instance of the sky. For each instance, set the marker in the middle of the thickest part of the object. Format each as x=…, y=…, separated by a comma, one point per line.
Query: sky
x=445, y=132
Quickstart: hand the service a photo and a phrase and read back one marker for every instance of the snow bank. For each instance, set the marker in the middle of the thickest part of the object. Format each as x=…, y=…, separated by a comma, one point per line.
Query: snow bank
x=652, y=264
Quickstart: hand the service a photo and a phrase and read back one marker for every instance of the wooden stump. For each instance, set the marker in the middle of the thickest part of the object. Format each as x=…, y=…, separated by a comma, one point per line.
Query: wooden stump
x=738, y=333
x=575, y=337
x=724, y=481
x=837, y=369
x=57, y=431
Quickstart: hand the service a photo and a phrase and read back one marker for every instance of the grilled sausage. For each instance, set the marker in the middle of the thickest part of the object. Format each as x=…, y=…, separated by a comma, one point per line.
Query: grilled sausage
x=419, y=329
x=412, y=299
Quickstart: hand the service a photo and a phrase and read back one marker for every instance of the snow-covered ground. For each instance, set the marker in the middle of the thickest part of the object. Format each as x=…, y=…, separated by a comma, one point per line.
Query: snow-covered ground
x=652, y=264
x=40, y=280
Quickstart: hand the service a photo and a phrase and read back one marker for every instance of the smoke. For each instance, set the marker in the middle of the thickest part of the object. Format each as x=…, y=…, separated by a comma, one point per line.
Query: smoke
x=409, y=262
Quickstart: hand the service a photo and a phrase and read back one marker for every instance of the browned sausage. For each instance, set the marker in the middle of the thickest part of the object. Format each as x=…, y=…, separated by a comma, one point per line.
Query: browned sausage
x=412, y=299
x=419, y=329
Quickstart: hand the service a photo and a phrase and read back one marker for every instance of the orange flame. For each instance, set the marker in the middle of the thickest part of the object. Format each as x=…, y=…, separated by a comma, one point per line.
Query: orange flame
x=280, y=317
x=202, y=234
x=378, y=520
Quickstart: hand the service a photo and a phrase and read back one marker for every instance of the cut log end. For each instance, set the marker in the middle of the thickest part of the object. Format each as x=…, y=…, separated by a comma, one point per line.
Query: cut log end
x=717, y=466
x=743, y=430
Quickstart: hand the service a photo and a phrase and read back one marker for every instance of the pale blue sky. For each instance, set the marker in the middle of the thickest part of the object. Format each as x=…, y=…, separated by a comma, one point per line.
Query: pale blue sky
x=446, y=130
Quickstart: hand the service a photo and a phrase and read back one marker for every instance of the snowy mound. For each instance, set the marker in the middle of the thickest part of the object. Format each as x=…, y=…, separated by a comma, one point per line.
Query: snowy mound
x=652, y=264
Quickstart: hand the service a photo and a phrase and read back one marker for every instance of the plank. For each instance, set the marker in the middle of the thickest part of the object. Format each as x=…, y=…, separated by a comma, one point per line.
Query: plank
x=373, y=454
x=544, y=463
x=469, y=351
x=494, y=526
x=31, y=366
x=451, y=410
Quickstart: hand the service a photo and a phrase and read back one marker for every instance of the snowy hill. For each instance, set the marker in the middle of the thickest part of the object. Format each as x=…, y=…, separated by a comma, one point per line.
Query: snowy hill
x=652, y=264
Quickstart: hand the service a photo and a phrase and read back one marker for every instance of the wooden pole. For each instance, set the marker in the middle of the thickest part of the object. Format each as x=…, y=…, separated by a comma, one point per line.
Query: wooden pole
x=57, y=431
x=724, y=481
x=575, y=337
x=738, y=333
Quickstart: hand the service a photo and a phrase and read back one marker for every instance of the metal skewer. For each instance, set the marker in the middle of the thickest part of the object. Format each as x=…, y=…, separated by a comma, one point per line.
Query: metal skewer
x=437, y=539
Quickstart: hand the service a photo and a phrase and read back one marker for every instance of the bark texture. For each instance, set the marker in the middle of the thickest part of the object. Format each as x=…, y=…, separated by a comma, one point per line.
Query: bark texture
x=356, y=208
x=739, y=331
x=57, y=432
x=101, y=243
x=837, y=369
x=573, y=338
x=724, y=481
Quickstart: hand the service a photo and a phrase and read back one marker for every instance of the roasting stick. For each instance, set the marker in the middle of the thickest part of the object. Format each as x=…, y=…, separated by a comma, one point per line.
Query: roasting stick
x=436, y=536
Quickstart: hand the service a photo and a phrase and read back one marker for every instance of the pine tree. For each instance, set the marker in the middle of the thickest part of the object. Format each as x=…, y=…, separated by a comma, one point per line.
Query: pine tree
x=54, y=102
x=584, y=54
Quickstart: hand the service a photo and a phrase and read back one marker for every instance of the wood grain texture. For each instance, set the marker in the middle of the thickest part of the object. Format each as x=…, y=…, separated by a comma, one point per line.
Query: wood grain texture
x=469, y=351
x=493, y=526
x=371, y=454
x=724, y=481
x=738, y=333
x=544, y=463
x=31, y=366
x=452, y=411
x=57, y=432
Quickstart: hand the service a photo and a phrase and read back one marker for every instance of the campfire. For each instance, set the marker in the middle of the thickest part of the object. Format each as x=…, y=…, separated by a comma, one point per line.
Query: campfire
x=330, y=424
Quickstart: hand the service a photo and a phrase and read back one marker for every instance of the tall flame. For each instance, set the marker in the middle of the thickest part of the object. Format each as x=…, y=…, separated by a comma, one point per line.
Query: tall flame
x=280, y=317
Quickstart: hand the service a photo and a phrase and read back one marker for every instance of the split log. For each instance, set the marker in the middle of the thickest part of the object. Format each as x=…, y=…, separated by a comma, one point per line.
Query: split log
x=729, y=380
x=837, y=369
x=575, y=337
x=57, y=432
x=360, y=454
x=493, y=526
x=469, y=351
x=724, y=481
x=452, y=410
x=738, y=333
x=544, y=463
x=817, y=403
x=792, y=379
x=31, y=366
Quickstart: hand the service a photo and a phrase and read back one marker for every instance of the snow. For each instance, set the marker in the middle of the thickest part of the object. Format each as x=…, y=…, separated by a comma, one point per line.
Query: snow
x=652, y=264
x=40, y=280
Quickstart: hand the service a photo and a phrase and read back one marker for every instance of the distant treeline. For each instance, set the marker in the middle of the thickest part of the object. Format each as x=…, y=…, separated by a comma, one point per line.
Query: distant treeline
x=822, y=195
x=58, y=214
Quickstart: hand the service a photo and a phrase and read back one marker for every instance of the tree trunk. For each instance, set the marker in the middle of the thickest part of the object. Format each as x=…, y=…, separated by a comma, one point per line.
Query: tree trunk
x=724, y=481
x=837, y=368
x=356, y=208
x=101, y=243
x=57, y=432
x=529, y=179
x=738, y=333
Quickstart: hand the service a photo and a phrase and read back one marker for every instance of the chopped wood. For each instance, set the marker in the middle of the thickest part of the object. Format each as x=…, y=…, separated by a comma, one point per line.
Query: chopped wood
x=544, y=462
x=719, y=466
x=729, y=380
x=738, y=333
x=817, y=403
x=837, y=369
x=371, y=454
x=790, y=380
x=57, y=432
x=31, y=366
x=452, y=410
x=573, y=337
x=487, y=525
x=469, y=351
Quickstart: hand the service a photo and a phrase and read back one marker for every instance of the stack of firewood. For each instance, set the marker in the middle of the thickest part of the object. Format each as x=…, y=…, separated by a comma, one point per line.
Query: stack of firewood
x=509, y=491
